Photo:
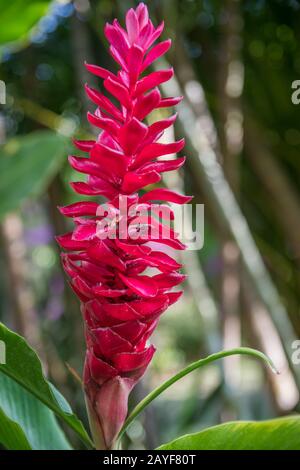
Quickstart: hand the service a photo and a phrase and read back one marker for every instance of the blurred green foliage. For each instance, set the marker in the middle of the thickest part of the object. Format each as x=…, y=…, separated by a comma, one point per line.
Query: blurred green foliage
x=29, y=163
x=18, y=17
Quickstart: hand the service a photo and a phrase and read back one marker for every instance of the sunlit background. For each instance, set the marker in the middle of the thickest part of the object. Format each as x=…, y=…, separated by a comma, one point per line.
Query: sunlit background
x=235, y=62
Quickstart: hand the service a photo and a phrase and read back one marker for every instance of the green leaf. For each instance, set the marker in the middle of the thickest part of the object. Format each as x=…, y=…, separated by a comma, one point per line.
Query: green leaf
x=25, y=422
x=24, y=367
x=187, y=370
x=18, y=17
x=29, y=164
x=12, y=435
x=275, y=434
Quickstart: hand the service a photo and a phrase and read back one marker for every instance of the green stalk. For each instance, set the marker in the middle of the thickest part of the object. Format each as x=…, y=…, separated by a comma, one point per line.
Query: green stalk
x=190, y=368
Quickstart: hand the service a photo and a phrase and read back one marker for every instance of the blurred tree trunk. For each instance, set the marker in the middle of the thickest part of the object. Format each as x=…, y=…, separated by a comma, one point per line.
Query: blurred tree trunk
x=283, y=388
x=56, y=197
x=283, y=196
x=230, y=86
x=203, y=297
x=194, y=96
x=23, y=314
x=81, y=53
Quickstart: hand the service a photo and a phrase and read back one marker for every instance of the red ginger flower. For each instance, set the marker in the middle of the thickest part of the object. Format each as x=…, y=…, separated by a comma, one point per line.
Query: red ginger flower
x=120, y=305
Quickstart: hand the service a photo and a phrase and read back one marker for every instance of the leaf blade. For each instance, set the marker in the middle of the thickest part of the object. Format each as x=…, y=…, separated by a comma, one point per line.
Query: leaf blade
x=24, y=367
x=35, y=425
x=11, y=434
x=276, y=434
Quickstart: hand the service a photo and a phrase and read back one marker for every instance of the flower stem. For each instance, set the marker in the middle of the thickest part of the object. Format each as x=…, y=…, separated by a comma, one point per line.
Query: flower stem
x=190, y=368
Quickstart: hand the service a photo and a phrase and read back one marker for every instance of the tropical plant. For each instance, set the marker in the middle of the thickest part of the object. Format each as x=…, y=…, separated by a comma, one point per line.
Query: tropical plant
x=106, y=256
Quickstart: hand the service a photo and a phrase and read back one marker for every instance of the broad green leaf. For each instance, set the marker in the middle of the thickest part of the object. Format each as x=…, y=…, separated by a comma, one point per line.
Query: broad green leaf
x=11, y=434
x=31, y=424
x=18, y=17
x=24, y=367
x=275, y=434
x=29, y=163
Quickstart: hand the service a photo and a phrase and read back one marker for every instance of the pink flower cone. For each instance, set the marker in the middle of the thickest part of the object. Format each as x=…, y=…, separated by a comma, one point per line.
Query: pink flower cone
x=121, y=305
